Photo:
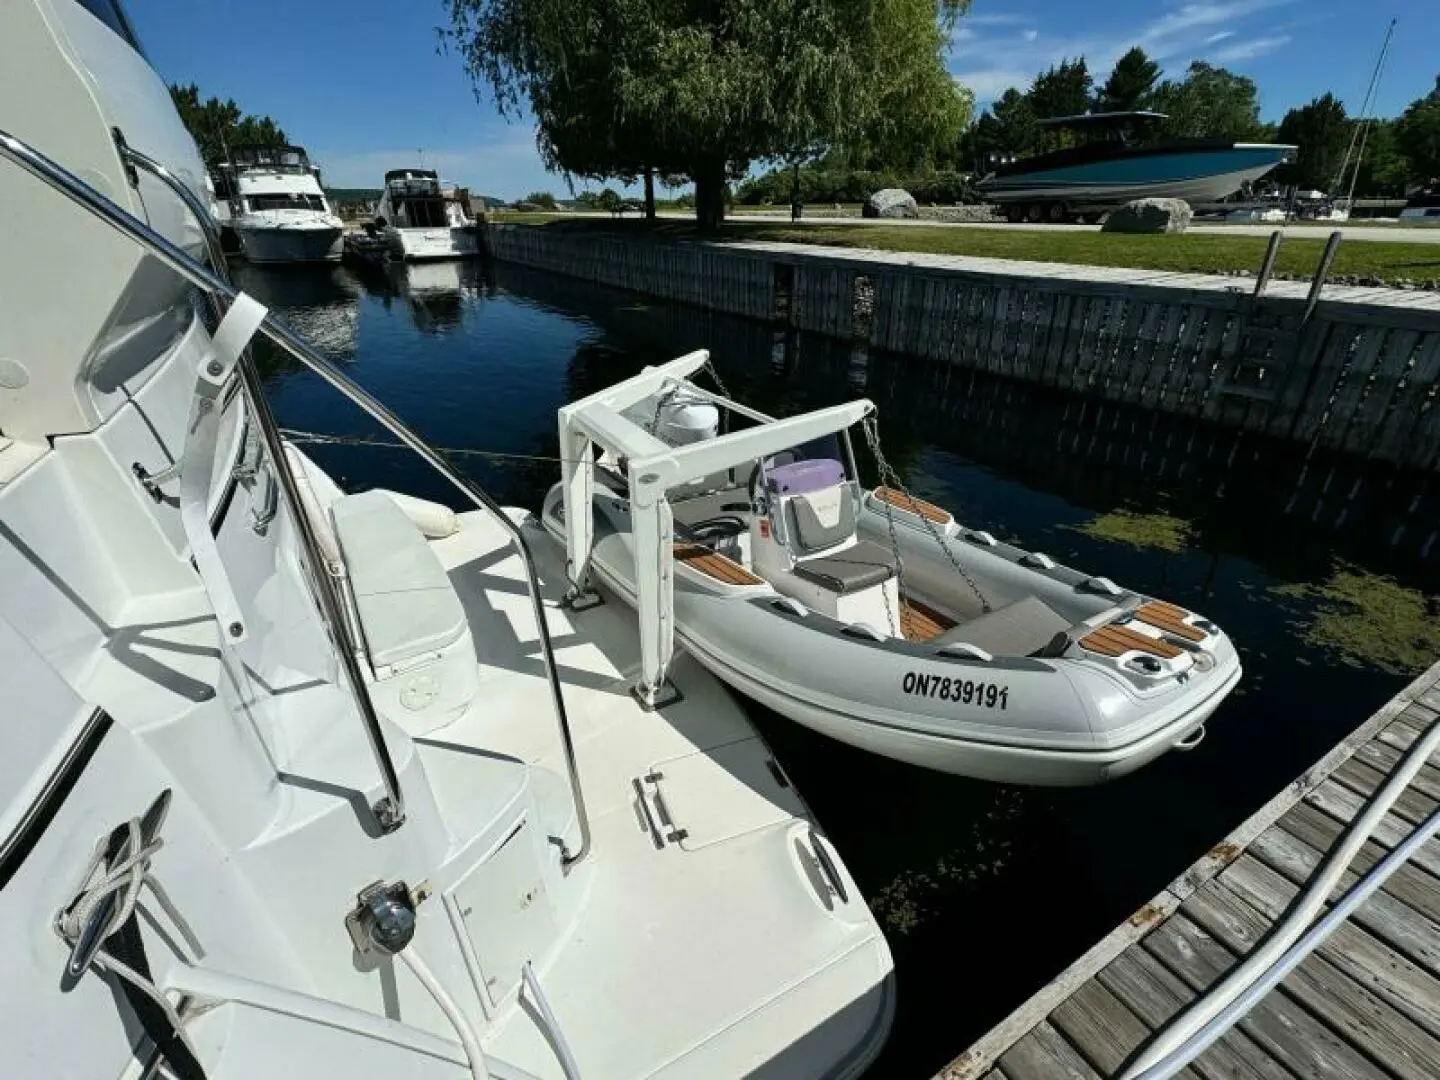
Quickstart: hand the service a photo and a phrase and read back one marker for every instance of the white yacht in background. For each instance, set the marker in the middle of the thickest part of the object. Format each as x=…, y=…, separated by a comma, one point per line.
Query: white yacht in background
x=423, y=218
x=300, y=783
x=278, y=209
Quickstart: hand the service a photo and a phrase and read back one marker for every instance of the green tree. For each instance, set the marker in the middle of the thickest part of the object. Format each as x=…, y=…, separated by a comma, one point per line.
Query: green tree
x=1008, y=128
x=1061, y=90
x=1130, y=83
x=1322, y=132
x=1418, y=134
x=704, y=88
x=217, y=126
x=608, y=200
x=1383, y=169
x=1209, y=103
x=542, y=199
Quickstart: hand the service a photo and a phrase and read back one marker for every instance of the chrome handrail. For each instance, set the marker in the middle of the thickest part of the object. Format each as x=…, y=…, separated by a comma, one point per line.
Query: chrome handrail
x=389, y=810
x=61, y=180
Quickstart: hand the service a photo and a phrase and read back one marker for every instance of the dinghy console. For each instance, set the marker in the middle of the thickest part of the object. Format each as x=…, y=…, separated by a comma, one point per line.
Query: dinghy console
x=803, y=541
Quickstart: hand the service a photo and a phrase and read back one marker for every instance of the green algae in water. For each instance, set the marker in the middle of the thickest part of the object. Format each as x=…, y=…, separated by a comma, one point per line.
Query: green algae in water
x=914, y=896
x=1369, y=620
x=1160, y=532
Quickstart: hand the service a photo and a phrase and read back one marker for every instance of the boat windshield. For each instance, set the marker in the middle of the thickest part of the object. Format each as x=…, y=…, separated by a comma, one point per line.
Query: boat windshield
x=1123, y=128
x=286, y=200
x=286, y=159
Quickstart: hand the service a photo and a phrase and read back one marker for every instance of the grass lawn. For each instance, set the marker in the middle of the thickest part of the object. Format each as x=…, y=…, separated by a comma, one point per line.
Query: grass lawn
x=1192, y=252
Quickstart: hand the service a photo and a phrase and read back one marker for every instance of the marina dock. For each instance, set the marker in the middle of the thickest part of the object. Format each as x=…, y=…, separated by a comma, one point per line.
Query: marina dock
x=1346, y=368
x=1365, y=1005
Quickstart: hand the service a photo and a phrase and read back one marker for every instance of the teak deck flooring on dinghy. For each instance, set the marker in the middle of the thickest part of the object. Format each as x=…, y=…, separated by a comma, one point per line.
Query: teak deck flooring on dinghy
x=1115, y=640
x=713, y=564
x=1169, y=618
x=928, y=510
x=920, y=623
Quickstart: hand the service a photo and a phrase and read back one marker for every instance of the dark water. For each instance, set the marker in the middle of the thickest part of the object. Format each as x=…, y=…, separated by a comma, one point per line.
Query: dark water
x=1324, y=571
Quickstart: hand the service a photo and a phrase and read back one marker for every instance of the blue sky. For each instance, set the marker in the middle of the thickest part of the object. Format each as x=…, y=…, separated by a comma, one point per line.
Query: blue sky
x=362, y=86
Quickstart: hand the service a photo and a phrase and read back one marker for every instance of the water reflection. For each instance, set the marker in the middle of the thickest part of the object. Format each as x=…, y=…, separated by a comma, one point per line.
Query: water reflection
x=321, y=301
x=1323, y=569
x=1159, y=480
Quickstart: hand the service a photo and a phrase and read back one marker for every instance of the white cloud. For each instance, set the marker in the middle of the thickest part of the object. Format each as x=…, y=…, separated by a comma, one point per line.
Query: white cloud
x=989, y=85
x=991, y=61
x=1251, y=49
x=1012, y=19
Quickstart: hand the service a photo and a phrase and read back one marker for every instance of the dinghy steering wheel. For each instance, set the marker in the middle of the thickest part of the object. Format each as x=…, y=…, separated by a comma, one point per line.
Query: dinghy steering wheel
x=723, y=527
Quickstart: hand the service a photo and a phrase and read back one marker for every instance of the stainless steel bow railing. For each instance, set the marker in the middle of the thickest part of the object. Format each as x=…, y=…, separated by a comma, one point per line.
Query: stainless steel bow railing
x=390, y=810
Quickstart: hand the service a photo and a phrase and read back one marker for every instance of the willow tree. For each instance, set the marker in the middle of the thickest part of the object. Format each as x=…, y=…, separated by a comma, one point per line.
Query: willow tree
x=705, y=88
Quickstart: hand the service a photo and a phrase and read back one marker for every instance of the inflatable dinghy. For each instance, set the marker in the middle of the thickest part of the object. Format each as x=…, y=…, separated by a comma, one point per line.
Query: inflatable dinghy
x=871, y=616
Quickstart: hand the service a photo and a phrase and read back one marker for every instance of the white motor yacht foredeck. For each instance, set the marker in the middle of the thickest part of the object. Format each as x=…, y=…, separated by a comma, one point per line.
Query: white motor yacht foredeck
x=303, y=783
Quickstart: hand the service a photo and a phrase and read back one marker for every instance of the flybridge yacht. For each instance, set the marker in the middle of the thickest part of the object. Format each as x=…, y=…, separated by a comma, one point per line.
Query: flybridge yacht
x=278, y=209
x=423, y=218
x=1115, y=160
x=296, y=782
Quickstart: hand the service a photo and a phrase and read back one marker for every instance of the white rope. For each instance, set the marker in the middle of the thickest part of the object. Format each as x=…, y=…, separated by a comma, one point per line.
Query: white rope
x=123, y=879
x=469, y=1041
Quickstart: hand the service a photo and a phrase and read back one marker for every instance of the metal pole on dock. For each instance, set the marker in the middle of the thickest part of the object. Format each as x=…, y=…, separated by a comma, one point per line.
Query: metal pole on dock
x=1267, y=266
x=1332, y=244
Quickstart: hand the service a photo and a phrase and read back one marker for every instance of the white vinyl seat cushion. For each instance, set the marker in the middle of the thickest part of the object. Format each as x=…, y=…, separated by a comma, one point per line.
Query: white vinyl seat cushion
x=406, y=603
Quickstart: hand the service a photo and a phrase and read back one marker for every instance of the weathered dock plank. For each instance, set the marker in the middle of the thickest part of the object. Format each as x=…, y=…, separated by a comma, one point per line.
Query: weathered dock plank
x=1365, y=1004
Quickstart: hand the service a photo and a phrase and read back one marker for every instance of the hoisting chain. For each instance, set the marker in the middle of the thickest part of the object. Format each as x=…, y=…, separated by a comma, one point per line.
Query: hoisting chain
x=891, y=479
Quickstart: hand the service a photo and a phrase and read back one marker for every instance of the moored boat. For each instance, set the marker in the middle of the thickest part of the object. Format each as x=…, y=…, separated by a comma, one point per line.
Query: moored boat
x=422, y=218
x=279, y=211
x=1114, y=163
x=871, y=616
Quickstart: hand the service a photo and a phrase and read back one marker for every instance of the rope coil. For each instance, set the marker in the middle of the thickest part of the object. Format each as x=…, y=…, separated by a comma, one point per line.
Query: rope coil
x=122, y=877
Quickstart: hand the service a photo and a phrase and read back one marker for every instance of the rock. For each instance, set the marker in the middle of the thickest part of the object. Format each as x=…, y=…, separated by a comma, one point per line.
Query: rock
x=977, y=213
x=890, y=203
x=1149, y=216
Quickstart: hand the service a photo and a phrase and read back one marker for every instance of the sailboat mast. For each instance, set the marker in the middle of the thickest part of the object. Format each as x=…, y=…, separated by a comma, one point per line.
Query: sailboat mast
x=1361, y=133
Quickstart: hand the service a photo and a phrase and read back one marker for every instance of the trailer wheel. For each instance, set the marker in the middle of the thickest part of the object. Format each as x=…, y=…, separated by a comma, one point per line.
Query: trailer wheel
x=1057, y=213
x=1014, y=213
x=1035, y=212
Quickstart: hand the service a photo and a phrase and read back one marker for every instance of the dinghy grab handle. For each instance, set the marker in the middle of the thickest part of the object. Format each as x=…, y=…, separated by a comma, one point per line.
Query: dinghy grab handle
x=1189, y=742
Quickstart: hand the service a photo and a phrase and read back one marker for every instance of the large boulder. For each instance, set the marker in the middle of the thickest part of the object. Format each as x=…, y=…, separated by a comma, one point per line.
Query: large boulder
x=1150, y=216
x=890, y=203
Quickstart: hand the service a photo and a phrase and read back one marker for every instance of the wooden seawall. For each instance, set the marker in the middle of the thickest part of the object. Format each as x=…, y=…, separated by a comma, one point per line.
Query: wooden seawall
x=1354, y=371
x=1364, y=1006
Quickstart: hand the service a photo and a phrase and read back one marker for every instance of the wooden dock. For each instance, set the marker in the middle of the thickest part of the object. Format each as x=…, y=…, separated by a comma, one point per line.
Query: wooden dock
x=1352, y=369
x=1364, y=1006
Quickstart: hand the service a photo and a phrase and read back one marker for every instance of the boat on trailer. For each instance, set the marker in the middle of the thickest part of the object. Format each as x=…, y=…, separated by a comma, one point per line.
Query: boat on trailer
x=1114, y=162
x=871, y=616
x=408, y=821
